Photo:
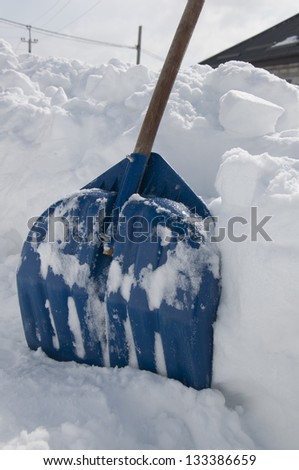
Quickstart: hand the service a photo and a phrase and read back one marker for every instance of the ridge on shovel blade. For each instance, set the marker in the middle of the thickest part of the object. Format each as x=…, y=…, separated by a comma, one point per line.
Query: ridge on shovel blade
x=151, y=305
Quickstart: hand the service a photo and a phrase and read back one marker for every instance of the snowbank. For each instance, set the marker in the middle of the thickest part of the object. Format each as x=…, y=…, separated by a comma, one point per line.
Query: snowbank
x=233, y=134
x=256, y=357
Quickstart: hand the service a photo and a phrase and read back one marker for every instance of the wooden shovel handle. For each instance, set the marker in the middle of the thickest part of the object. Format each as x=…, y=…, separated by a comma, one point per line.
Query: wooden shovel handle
x=167, y=77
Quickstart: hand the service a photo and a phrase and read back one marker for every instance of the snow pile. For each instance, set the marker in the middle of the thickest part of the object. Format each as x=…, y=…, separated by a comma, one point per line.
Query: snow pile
x=233, y=134
x=257, y=328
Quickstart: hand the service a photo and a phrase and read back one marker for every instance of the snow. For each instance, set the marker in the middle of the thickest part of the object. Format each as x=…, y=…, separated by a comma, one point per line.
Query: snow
x=118, y=281
x=291, y=40
x=159, y=355
x=66, y=265
x=258, y=316
x=74, y=324
x=233, y=134
x=179, y=272
x=248, y=115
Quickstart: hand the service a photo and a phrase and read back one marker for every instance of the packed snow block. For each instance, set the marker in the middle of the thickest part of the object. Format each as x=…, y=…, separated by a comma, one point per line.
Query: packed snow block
x=247, y=114
x=14, y=79
x=240, y=178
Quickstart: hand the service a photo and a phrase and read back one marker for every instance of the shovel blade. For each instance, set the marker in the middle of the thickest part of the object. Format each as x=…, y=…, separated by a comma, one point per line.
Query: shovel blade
x=79, y=305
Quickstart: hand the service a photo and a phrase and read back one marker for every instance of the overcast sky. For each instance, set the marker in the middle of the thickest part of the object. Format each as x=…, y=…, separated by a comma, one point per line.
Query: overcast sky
x=223, y=23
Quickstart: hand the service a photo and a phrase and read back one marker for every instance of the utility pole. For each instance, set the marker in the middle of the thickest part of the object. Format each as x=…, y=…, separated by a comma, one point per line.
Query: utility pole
x=138, y=47
x=29, y=40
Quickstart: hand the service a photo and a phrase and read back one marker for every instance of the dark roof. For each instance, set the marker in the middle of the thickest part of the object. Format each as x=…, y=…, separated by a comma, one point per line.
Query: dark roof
x=276, y=45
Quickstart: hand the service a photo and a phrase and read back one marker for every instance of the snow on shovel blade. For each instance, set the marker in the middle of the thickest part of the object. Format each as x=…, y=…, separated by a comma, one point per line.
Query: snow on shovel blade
x=152, y=305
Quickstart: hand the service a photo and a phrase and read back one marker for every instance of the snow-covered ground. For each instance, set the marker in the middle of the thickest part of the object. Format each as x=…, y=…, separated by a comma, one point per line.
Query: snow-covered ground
x=233, y=134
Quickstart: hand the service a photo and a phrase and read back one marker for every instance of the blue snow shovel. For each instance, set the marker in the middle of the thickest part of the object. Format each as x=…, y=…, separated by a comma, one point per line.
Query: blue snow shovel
x=123, y=272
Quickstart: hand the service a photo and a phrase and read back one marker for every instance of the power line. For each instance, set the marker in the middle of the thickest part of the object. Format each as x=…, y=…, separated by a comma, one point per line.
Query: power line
x=15, y=23
x=57, y=34
x=57, y=13
x=81, y=39
x=66, y=36
x=81, y=16
x=151, y=54
x=46, y=12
